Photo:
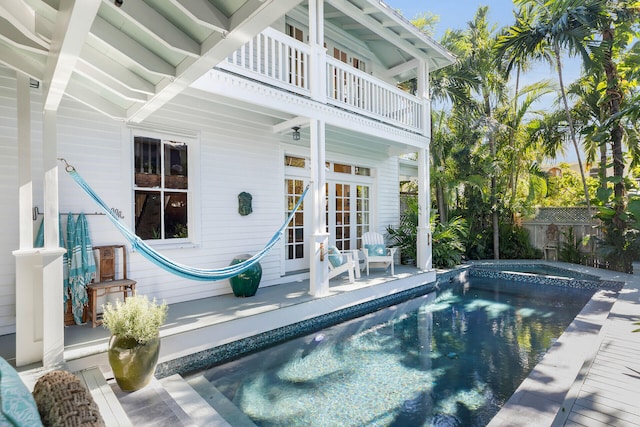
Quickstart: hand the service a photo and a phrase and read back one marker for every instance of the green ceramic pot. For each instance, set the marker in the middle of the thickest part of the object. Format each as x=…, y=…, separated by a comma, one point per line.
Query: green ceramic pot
x=246, y=283
x=133, y=365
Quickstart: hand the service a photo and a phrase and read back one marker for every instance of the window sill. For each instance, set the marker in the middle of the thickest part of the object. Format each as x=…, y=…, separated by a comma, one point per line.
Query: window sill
x=171, y=245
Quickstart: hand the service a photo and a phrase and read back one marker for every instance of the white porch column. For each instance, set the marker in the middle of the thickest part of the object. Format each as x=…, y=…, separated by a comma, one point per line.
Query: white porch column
x=52, y=280
x=25, y=184
x=28, y=295
x=39, y=308
x=319, y=269
x=424, y=243
x=318, y=59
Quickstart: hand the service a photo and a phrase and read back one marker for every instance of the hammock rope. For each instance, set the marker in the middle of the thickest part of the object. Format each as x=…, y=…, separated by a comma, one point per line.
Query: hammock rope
x=162, y=261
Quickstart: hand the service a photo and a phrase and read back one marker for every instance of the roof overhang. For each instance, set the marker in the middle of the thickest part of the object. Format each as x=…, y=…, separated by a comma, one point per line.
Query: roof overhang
x=126, y=61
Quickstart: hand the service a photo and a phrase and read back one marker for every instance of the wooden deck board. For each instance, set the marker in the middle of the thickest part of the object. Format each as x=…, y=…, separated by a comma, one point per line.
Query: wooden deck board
x=609, y=385
x=609, y=392
x=627, y=398
x=608, y=407
x=590, y=418
x=615, y=360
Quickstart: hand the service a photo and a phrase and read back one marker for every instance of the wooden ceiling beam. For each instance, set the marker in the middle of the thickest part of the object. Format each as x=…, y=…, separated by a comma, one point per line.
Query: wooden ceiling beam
x=140, y=15
x=130, y=48
x=72, y=26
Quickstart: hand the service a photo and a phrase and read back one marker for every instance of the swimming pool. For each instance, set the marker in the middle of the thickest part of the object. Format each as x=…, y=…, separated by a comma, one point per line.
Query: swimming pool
x=449, y=357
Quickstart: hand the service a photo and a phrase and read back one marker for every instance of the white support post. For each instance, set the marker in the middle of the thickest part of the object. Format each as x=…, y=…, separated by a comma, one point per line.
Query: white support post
x=52, y=280
x=39, y=309
x=318, y=68
x=319, y=269
x=25, y=184
x=28, y=297
x=424, y=241
x=424, y=96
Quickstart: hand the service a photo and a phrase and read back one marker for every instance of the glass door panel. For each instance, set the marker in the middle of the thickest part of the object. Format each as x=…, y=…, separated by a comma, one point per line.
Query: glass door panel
x=296, y=243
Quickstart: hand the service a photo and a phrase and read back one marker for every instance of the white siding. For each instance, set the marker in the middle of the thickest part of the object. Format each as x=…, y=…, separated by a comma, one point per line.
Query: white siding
x=388, y=195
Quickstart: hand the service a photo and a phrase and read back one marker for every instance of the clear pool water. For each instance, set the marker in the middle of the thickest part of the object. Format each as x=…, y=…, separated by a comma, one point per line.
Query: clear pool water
x=449, y=358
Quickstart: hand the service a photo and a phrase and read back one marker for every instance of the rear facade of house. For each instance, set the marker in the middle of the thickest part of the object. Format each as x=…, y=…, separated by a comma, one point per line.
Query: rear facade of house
x=200, y=126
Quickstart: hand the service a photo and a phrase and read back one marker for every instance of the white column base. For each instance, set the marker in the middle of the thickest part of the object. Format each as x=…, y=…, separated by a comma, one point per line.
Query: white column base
x=39, y=307
x=424, y=252
x=319, y=269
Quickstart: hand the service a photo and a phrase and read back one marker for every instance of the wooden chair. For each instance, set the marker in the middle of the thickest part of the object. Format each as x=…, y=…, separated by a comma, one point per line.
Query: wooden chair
x=107, y=282
x=376, y=253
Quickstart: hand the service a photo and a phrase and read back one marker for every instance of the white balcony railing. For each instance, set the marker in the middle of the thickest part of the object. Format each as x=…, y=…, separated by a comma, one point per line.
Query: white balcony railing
x=278, y=59
x=274, y=58
x=351, y=88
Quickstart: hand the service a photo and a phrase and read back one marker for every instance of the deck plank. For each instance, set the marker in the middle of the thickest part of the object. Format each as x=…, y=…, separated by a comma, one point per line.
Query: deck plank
x=110, y=408
x=609, y=405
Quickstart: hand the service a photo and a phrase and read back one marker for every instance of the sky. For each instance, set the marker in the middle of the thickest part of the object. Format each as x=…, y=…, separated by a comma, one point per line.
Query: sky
x=456, y=14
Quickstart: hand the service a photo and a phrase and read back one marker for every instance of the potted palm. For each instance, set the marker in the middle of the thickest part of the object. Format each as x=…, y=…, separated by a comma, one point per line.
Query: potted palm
x=134, y=345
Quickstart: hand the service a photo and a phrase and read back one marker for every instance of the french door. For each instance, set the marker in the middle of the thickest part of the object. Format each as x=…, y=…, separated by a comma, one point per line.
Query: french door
x=299, y=228
x=348, y=218
x=348, y=213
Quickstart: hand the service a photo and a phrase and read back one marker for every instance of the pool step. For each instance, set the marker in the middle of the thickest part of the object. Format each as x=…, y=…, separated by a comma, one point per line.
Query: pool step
x=217, y=400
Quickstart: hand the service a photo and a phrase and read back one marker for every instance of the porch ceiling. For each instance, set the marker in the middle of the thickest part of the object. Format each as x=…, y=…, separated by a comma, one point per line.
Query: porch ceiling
x=125, y=61
x=394, y=40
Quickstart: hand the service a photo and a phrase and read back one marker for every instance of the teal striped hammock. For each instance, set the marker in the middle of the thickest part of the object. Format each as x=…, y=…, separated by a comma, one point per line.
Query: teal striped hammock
x=165, y=263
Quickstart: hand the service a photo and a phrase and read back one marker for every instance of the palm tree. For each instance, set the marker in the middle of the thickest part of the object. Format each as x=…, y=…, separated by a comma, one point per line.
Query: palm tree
x=542, y=30
x=450, y=87
x=612, y=17
x=522, y=148
x=492, y=90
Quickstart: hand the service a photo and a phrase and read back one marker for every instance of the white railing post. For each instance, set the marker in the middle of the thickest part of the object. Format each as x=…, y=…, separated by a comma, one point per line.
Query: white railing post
x=424, y=97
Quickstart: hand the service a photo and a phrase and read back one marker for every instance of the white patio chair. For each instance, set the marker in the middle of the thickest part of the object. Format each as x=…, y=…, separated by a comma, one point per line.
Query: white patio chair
x=339, y=262
x=376, y=254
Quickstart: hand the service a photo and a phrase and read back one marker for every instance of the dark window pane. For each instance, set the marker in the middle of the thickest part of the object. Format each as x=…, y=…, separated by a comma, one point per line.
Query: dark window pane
x=175, y=216
x=147, y=162
x=148, y=214
x=175, y=165
x=342, y=168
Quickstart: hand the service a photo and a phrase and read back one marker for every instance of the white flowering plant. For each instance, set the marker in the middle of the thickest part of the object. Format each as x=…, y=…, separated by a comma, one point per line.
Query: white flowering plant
x=136, y=318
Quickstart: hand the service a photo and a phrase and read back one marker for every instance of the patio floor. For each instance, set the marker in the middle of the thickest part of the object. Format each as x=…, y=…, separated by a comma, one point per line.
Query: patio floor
x=590, y=377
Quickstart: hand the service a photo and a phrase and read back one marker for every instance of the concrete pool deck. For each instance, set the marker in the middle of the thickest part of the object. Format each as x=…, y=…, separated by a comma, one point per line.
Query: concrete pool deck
x=590, y=376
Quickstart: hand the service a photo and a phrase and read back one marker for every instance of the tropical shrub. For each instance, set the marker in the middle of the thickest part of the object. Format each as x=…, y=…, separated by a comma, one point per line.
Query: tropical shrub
x=570, y=248
x=405, y=235
x=448, y=237
x=515, y=243
x=448, y=241
x=619, y=245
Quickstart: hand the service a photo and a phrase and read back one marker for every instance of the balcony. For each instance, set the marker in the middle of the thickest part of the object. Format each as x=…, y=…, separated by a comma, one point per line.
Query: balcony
x=276, y=59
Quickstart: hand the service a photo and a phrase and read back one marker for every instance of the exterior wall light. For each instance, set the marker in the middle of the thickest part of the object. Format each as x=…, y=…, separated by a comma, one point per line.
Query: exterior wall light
x=296, y=133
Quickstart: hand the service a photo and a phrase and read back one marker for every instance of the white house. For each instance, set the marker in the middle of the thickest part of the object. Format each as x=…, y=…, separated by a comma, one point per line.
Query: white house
x=172, y=108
